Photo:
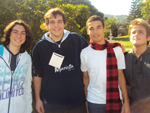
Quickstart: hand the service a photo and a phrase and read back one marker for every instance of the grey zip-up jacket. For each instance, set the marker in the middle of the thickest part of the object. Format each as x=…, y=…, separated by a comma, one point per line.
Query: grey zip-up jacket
x=137, y=74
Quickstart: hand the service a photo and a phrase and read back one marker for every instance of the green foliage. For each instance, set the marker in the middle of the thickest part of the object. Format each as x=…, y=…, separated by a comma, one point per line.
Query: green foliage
x=135, y=11
x=77, y=19
x=124, y=40
x=113, y=24
x=32, y=12
x=92, y=9
x=146, y=9
x=83, y=33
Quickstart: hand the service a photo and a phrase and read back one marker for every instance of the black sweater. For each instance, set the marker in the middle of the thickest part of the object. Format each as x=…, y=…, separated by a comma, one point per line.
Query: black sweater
x=63, y=88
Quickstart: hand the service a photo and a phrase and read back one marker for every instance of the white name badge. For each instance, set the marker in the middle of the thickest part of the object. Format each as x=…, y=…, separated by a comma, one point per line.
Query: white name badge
x=56, y=60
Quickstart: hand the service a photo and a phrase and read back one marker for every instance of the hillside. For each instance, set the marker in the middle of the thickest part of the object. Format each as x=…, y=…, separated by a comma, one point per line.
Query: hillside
x=121, y=18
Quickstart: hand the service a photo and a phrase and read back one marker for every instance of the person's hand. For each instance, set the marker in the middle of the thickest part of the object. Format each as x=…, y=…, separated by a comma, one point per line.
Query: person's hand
x=39, y=106
x=125, y=108
x=123, y=48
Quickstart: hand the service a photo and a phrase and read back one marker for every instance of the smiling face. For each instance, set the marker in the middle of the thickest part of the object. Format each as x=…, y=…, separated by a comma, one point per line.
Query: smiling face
x=56, y=27
x=96, y=31
x=17, y=36
x=138, y=36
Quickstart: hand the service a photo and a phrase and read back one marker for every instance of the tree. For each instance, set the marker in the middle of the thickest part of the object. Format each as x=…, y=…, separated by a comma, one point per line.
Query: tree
x=75, y=20
x=146, y=9
x=113, y=24
x=92, y=9
x=33, y=12
x=135, y=11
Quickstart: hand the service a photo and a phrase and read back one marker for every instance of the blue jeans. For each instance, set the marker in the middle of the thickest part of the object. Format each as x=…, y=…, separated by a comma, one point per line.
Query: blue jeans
x=96, y=108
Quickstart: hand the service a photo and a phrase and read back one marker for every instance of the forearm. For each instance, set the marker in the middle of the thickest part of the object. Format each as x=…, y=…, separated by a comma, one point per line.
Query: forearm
x=123, y=86
x=85, y=81
x=37, y=87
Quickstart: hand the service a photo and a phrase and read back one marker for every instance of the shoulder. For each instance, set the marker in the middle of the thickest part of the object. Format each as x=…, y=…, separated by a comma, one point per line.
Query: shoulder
x=78, y=39
x=86, y=50
x=118, y=52
x=39, y=44
x=129, y=54
x=117, y=49
x=26, y=55
x=76, y=35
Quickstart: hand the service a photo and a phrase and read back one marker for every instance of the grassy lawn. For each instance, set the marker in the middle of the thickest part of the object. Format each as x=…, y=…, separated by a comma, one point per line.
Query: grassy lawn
x=124, y=40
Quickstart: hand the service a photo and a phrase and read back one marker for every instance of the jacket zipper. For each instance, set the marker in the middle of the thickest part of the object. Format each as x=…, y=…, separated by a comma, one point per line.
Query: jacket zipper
x=10, y=84
x=10, y=91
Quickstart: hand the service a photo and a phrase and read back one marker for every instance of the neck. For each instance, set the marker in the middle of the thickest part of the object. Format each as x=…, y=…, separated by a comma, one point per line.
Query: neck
x=55, y=38
x=14, y=50
x=139, y=50
x=101, y=42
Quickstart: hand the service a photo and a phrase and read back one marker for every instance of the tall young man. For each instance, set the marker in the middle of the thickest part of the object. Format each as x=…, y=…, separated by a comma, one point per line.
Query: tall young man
x=137, y=70
x=102, y=63
x=15, y=69
x=58, y=81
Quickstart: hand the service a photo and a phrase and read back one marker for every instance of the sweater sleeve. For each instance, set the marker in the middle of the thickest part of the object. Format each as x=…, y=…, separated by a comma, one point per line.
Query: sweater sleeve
x=36, y=62
x=28, y=90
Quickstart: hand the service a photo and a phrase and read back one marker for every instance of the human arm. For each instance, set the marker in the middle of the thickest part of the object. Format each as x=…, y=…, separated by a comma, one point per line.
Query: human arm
x=86, y=83
x=85, y=74
x=37, y=73
x=123, y=87
x=37, y=88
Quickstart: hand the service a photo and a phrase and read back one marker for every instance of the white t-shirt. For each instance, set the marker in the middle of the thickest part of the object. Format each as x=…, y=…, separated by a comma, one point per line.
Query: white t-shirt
x=94, y=61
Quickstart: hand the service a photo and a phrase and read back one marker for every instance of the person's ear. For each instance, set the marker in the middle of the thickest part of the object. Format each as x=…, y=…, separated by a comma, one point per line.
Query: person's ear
x=104, y=29
x=87, y=30
x=65, y=25
x=148, y=38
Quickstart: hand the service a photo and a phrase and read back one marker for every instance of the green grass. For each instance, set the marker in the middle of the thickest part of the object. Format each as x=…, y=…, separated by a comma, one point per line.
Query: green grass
x=126, y=44
x=124, y=40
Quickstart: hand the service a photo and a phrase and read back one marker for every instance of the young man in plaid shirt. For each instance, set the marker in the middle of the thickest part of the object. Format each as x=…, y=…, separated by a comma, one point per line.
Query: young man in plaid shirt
x=102, y=63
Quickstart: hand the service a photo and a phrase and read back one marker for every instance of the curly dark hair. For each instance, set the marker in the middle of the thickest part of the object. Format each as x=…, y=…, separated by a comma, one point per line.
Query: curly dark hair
x=7, y=31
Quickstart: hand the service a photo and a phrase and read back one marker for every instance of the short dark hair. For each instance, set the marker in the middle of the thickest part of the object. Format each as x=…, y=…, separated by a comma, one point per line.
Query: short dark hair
x=7, y=31
x=95, y=18
x=54, y=12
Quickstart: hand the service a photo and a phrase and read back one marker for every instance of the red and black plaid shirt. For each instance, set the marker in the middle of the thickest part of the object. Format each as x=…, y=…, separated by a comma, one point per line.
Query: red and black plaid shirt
x=112, y=92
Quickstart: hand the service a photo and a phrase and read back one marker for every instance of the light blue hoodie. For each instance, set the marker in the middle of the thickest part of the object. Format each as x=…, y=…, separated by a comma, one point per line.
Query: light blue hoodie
x=18, y=82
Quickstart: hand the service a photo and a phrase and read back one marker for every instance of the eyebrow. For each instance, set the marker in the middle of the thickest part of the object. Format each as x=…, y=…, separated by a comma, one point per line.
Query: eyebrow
x=141, y=30
x=17, y=30
x=99, y=26
x=96, y=26
x=137, y=30
x=58, y=20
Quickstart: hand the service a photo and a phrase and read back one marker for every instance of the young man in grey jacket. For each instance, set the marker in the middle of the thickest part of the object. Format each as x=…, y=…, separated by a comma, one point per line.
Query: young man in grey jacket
x=137, y=70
